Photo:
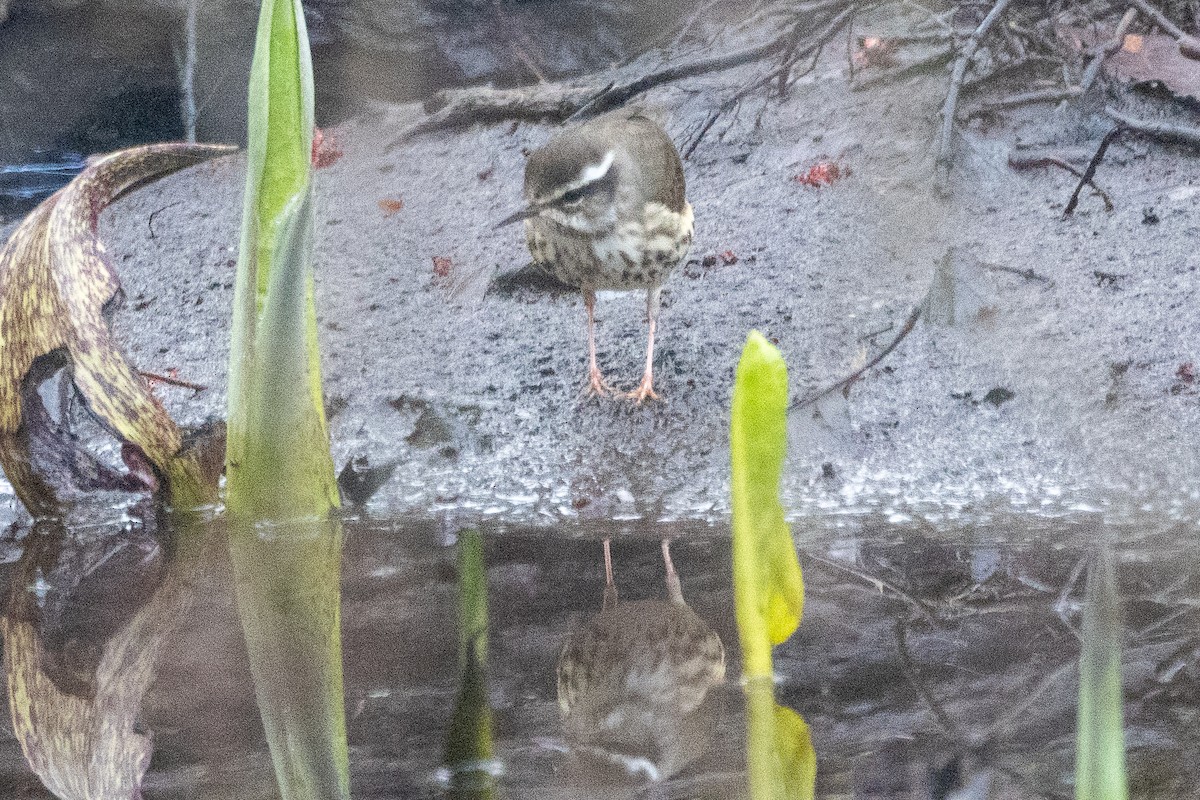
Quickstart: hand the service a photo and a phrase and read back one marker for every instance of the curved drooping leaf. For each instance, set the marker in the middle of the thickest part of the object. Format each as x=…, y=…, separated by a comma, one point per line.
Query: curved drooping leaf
x=1100, y=738
x=56, y=283
x=768, y=585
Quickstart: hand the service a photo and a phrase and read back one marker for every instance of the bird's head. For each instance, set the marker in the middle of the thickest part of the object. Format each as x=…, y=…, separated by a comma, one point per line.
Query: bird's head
x=573, y=182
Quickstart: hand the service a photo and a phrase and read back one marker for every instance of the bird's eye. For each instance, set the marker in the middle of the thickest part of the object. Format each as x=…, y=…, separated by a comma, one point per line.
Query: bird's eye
x=575, y=195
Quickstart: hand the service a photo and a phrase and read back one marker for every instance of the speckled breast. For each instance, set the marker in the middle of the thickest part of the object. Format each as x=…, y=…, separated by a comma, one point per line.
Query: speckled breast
x=638, y=254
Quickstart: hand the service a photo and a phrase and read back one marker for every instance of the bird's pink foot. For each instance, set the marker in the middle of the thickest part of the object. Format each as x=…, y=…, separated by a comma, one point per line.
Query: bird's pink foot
x=596, y=385
x=644, y=391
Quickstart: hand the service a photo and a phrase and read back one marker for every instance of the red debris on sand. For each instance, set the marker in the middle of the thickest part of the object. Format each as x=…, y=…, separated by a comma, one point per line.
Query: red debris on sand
x=325, y=149
x=729, y=258
x=391, y=205
x=824, y=173
x=442, y=267
x=1186, y=372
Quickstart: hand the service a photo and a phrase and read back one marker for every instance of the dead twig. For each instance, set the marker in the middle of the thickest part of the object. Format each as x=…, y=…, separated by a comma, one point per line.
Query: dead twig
x=1062, y=607
x=873, y=334
x=1028, y=274
x=154, y=377
x=1004, y=70
x=1023, y=705
x=956, y=79
x=455, y=108
x=155, y=213
x=1051, y=95
x=1103, y=51
x=1090, y=172
x=1158, y=130
x=880, y=585
x=1033, y=162
x=510, y=34
x=910, y=672
x=1160, y=19
x=848, y=381
x=619, y=95
x=1188, y=45
x=711, y=120
x=812, y=48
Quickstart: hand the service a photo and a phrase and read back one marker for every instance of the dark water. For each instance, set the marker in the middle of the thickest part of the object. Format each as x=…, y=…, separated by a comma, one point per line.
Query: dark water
x=926, y=660
x=108, y=76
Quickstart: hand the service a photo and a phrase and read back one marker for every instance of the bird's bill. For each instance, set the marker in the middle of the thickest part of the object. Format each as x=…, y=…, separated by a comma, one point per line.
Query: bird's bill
x=525, y=213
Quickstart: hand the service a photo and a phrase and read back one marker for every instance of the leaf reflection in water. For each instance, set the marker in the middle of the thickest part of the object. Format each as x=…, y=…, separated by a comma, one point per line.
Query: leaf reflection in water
x=470, y=764
x=85, y=620
x=288, y=582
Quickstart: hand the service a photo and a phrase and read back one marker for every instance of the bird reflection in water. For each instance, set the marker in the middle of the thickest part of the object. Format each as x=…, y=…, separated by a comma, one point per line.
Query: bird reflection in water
x=632, y=685
x=85, y=619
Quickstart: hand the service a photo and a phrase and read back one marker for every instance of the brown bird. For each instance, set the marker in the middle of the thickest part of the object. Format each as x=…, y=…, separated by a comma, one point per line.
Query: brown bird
x=632, y=681
x=605, y=210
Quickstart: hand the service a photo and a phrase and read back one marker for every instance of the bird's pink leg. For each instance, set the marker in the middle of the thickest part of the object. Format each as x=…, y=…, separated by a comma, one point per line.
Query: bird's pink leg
x=674, y=588
x=645, y=389
x=596, y=384
x=610, y=586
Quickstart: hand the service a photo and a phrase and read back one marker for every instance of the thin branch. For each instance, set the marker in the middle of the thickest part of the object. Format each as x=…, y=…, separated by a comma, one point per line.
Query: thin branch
x=1032, y=162
x=1004, y=70
x=1159, y=130
x=1090, y=172
x=155, y=213
x=619, y=95
x=154, y=377
x=1028, y=274
x=462, y=107
x=1051, y=95
x=956, y=79
x=1160, y=19
x=510, y=35
x=927, y=64
x=880, y=585
x=910, y=672
x=813, y=48
x=1107, y=49
x=815, y=43
x=1026, y=700
x=847, y=382
x=456, y=108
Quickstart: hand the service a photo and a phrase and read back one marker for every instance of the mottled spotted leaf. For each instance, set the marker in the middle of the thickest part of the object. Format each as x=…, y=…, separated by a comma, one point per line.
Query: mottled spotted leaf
x=75, y=691
x=56, y=284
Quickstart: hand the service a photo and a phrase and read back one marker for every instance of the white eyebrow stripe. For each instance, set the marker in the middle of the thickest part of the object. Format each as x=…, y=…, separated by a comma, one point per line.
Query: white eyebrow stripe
x=595, y=172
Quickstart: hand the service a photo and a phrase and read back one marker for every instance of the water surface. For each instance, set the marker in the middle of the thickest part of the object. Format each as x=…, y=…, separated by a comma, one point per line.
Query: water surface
x=928, y=657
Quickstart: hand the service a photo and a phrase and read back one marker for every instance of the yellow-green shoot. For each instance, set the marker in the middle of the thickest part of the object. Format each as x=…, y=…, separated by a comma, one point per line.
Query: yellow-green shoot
x=767, y=582
x=278, y=465
x=280, y=483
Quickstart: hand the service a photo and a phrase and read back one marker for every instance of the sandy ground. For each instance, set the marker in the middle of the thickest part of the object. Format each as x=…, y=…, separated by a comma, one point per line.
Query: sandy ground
x=1051, y=396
